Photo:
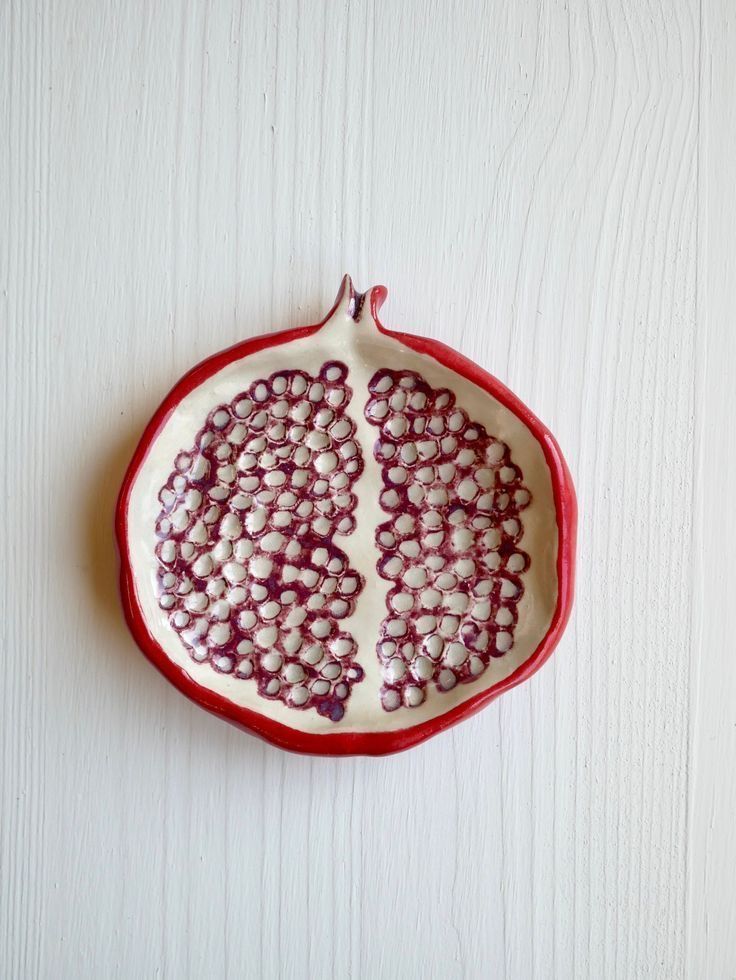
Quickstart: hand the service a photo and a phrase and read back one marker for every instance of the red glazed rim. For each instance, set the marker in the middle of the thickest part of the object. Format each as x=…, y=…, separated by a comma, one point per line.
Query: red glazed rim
x=352, y=743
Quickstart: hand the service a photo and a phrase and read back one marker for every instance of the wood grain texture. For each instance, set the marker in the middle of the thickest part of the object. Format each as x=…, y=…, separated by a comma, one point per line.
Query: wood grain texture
x=712, y=852
x=543, y=185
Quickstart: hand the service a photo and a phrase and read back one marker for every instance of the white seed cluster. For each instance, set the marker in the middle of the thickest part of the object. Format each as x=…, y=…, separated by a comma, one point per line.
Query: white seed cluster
x=451, y=546
x=249, y=575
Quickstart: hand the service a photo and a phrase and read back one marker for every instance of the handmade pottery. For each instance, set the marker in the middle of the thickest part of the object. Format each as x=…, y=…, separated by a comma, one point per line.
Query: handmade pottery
x=343, y=538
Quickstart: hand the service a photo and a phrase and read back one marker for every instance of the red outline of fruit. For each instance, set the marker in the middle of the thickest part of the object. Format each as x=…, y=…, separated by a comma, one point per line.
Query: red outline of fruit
x=353, y=743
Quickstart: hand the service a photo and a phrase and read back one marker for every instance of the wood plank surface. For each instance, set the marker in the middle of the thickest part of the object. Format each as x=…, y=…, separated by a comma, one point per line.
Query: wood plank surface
x=546, y=186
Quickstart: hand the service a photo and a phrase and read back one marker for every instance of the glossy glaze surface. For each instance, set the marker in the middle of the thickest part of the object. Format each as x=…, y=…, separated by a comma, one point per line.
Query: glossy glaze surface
x=229, y=502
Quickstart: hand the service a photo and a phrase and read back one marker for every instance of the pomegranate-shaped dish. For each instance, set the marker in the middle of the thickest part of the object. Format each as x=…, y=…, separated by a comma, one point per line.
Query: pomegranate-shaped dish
x=343, y=538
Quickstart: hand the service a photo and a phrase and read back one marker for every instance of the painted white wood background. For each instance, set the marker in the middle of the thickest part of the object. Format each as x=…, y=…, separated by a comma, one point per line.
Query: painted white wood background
x=547, y=186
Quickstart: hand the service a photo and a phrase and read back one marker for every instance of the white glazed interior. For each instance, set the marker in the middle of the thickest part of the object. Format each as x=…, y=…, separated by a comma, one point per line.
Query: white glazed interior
x=364, y=350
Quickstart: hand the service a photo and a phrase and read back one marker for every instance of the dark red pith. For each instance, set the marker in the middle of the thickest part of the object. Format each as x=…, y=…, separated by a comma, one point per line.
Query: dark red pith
x=451, y=546
x=249, y=574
